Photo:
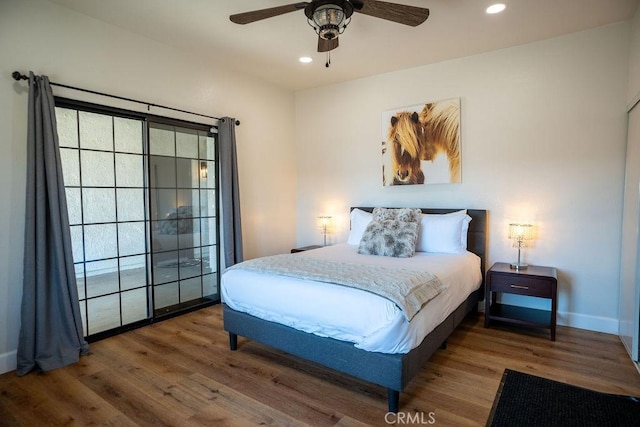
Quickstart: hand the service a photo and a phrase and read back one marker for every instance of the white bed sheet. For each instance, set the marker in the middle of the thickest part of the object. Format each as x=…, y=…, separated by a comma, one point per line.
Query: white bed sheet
x=371, y=322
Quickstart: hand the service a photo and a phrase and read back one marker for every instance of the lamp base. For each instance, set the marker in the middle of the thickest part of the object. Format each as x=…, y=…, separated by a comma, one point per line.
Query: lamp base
x=519, y=266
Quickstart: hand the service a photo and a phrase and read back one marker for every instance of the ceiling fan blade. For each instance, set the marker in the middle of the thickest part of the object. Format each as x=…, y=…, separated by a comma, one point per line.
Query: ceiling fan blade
x=327, y=45
x=258, y=15
x=400, y=13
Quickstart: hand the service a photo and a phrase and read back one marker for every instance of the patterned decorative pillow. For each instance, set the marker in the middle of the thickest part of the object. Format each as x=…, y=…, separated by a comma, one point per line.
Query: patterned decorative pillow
x=390, y=237
x=402, y=214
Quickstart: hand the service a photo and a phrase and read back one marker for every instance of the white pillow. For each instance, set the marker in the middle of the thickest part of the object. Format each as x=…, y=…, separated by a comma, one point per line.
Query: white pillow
x=443, y=233
x=359, y=221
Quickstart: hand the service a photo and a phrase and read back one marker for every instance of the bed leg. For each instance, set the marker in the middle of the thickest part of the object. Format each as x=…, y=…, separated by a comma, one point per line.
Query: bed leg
x=443, y=346
x=393, y=399
x=233, y=341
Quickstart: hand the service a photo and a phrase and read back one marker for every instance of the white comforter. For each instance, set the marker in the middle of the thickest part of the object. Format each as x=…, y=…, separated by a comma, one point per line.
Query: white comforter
x=371, y=322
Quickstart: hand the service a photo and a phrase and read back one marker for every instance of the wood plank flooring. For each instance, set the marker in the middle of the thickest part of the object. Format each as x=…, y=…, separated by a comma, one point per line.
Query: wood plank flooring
x=180, y=372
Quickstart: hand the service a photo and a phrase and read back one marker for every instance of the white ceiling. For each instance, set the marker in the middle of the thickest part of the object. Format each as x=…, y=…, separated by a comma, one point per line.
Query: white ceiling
x=270, y=49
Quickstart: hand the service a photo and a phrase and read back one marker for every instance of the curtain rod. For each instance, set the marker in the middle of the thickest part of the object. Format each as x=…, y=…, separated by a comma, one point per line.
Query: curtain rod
x=19, y=76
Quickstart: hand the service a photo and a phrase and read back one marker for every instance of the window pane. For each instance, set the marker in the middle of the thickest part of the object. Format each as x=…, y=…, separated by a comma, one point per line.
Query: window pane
x=196, y=237
x=166, y=295
x=163, y=204
x=186, y=240
x=165, y=267
x=97, y=169
x=209, y=255
x=70, y=166
x=207, y=203
x=164, y=236
x=128, y=135
x=83, y=314
x=67, y=124
x=131, y=238
x=207, y=147
x=188, y=173
x=100, y=241
x=161, y=140
x=163, y=172
x=207, y=174
x=188, y=203
x=130, y=204
x=74, y=206
x=190, y=263
x=96, y=131
x=102, y=277
x=190, y=289
x=134, y=305
x=210, y=284
x=79, y=268
x=99, y=205
x=209, y=236
x=186, y=143
x=76, y=243
x=133, y=272
x=129, y=172
x=103, y=313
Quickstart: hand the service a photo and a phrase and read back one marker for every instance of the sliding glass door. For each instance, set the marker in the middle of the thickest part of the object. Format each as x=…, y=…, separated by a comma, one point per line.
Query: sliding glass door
x=182, y=184
x=141, y=194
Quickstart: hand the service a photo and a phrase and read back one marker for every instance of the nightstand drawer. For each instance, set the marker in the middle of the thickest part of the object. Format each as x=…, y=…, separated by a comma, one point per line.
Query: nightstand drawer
x=521, y=285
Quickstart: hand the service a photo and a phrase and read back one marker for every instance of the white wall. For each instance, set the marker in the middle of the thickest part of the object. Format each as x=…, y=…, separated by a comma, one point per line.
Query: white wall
x=543, y=140
x=74, y=49
x=628, y=312
x=633, y=93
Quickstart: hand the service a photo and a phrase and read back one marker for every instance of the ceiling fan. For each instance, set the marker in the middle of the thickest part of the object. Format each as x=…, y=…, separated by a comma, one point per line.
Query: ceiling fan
x=329, y=18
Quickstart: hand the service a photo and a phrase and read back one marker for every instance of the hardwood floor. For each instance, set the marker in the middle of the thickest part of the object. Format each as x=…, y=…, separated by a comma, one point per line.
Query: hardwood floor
x=181, y=372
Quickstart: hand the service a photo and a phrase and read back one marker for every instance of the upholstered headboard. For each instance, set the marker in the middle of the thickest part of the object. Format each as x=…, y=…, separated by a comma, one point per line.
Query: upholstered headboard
x=476, y=236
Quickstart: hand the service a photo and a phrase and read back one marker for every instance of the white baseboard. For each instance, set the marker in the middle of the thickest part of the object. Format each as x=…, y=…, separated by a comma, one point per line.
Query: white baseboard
x=607, y=325
x=8, y=362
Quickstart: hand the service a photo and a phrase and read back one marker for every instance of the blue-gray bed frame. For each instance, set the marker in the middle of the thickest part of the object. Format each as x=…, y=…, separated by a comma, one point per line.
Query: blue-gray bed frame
x=393, y=371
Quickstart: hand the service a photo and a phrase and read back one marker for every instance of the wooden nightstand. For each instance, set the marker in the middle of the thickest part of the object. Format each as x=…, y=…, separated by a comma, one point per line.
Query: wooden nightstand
x=533, y=281
x=305, y=248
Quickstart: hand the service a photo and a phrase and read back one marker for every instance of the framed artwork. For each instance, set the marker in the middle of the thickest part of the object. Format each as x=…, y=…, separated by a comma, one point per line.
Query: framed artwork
x=421, y=144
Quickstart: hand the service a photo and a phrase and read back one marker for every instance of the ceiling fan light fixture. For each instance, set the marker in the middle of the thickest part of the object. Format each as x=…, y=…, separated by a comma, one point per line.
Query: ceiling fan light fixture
x=329, y=19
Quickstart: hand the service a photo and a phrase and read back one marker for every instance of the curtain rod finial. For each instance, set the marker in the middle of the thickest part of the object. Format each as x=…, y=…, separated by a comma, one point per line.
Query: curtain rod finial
x=18, y=76
x=237, y=121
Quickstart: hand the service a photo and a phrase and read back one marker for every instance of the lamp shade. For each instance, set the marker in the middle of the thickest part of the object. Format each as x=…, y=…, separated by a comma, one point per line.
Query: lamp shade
x=324, y=223
x=328, y=14
x=520, y=233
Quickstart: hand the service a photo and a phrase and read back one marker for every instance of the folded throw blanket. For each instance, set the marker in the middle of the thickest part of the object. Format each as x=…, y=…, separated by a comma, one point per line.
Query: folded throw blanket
x=410, y=290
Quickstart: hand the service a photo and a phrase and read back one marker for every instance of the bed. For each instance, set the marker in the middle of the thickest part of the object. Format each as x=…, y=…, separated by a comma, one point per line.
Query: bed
x=390, y=365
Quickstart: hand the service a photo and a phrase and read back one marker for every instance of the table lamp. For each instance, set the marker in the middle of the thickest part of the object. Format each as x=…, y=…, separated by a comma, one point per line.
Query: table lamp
x=324, y=225
x=520, y=234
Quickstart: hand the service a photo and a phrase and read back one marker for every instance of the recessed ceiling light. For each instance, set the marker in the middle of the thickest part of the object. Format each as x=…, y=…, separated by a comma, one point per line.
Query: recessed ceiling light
x=496, y=8
x=305, y=59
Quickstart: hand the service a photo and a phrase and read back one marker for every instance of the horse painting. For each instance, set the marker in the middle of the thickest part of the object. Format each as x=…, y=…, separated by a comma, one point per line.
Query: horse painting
x=417, y=145
x=404, y=143
x=441, y=134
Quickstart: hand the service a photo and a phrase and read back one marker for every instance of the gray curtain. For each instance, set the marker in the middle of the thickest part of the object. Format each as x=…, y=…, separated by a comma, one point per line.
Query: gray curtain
x=229, y=193
x=51, y=330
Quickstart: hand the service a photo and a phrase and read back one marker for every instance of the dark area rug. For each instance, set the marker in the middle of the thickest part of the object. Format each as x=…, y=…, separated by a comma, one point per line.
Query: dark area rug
x=527, y=400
